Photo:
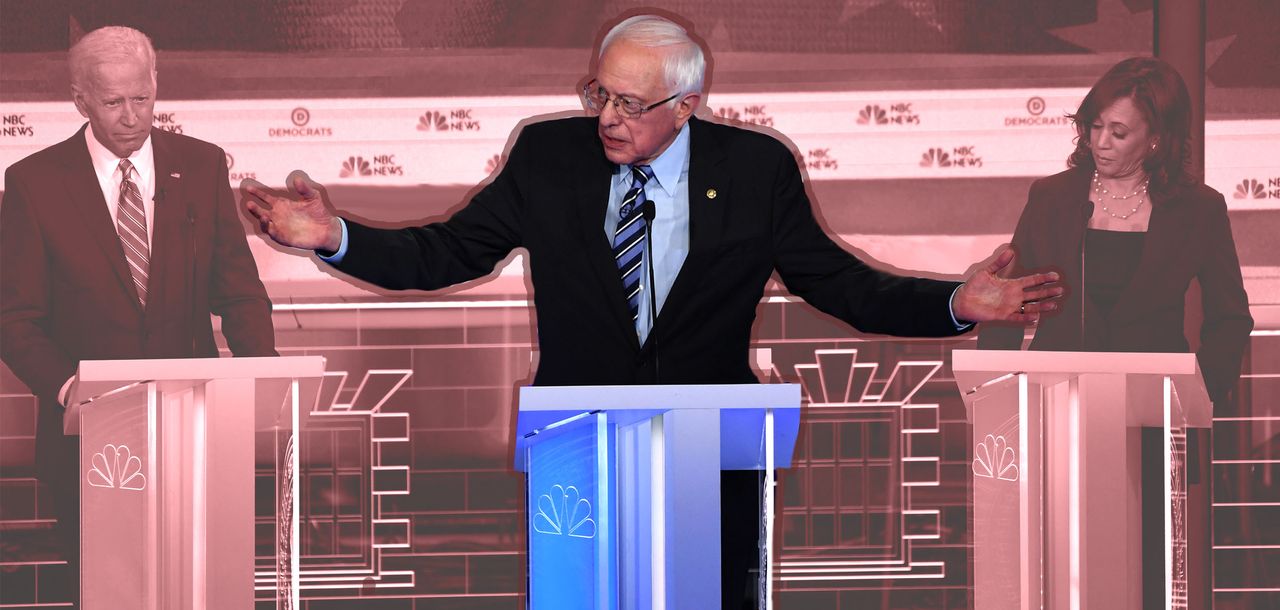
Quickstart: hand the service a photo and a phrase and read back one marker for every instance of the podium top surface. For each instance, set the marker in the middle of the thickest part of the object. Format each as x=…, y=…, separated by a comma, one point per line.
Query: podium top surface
x=741, y=408
x=659, y=397
x=974, y=370
x=96, y=377
x=274, y=367
x=1133, y=363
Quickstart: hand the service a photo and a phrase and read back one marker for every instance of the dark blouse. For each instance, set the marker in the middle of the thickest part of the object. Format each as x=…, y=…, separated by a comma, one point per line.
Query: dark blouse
x=1111, y=257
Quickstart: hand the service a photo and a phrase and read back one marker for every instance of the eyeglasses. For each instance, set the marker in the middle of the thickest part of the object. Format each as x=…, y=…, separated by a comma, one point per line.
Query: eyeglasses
x=596, y=97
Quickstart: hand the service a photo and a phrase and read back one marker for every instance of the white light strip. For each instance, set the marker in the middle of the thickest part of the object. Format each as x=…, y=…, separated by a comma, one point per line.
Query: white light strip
x=881, y=562
x=199, y=501
x=1073, y=493
x=411, y=305
x=906, y=568
x=769, y=485
x=394, y=305
x=1168, y=490
x=295, y=485
x=657, y=513
x=152, y=532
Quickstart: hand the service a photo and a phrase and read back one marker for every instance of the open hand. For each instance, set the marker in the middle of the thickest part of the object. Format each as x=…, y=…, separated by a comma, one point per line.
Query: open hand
x=299, y=219
x=986, y=296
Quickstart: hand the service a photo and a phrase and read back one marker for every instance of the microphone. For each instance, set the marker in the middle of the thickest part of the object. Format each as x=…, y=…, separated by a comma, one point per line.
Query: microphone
x=1086, y=211
x=648, y=212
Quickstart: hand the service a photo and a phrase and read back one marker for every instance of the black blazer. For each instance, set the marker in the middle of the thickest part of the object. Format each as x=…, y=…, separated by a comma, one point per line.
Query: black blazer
x=1189, y=236
x=67, y=292
x=749, y=216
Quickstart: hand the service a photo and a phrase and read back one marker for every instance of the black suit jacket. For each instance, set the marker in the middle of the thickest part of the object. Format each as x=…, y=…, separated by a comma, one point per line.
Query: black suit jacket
x=67, y=292
x=749, y=216
x=1189, y=236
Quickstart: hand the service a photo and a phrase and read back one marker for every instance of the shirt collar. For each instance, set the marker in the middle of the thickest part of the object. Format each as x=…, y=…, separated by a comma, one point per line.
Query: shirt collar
x=105, y=162
x=667, y=167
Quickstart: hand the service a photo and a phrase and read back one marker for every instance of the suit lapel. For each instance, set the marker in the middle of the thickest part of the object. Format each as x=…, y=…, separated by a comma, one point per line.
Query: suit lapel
x=709, y=182
x=169, y=252
x=592, y=198
x=85, y=195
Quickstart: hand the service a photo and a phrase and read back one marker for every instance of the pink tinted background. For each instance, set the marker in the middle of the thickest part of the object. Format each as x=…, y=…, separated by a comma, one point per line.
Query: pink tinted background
x=414, y=101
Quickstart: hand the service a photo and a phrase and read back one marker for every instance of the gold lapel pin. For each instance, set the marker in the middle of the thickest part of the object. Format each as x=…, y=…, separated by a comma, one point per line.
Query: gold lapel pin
x=711, y=193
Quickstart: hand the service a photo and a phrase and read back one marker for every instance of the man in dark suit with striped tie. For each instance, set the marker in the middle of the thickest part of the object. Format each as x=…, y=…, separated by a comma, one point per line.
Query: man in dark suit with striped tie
x=651, y=235
x=117, y=243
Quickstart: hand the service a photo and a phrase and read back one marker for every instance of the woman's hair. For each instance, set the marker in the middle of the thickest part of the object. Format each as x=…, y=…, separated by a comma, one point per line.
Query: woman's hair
x=1157, y=91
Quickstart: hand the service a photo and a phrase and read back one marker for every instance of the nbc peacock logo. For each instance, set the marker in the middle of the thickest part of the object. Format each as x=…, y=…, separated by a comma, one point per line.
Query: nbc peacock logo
x=115, y=467
x=873, y=114
x=1250, y=189
x=993, y=458
x=355, y=166
x=935, y=157
x=493, y=163
x=433, y=120
x=564, y=512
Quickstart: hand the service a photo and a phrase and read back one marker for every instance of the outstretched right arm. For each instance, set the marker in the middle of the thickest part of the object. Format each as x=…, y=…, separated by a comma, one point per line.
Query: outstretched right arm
x=464, y=247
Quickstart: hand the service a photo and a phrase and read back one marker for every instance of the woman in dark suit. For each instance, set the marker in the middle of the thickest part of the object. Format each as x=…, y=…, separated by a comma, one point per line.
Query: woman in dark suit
x=1128, y=227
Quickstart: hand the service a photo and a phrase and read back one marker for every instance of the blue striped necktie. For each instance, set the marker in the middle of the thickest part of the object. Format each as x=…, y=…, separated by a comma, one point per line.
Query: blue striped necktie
x=629, y=238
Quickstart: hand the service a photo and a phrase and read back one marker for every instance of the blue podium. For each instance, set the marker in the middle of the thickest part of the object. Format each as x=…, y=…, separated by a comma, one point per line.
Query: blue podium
x=623, y=488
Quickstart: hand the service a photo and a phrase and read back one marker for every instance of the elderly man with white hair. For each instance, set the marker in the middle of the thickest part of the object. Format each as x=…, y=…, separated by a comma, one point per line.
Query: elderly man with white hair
x=651, y=235
x=117, y=243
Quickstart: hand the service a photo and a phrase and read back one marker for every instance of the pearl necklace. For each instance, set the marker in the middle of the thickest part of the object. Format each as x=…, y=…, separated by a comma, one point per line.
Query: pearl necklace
x=1103, y=194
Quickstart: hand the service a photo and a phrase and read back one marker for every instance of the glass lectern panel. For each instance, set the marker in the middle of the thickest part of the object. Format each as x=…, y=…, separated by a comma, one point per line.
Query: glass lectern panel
x=1000, y=468
x=118, y=491
x=572, y=537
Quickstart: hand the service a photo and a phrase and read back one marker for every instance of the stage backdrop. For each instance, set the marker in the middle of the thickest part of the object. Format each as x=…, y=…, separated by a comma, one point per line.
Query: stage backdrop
x=920, y=125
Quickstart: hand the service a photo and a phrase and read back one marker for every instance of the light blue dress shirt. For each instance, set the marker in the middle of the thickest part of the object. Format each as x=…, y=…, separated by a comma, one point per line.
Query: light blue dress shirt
x=669, y=191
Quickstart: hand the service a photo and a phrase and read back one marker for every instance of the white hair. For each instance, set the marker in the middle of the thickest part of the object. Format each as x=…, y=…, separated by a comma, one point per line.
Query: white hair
x=685, y=65
x=109, y=44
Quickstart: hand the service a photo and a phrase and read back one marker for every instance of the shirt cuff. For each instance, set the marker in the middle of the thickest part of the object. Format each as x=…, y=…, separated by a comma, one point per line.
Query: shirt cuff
x=960, y=326
x=336, y=257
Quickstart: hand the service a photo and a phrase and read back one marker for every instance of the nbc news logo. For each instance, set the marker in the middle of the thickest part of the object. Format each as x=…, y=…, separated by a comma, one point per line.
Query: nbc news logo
x=896, y=114
x=378, y=165
x=1254, y=189
x=755, y=114
x=15, y=126
x=458, y=119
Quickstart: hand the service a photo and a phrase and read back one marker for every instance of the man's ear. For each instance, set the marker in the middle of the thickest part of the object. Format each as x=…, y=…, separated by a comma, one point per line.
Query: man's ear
x=686, y=107
x=77, y=97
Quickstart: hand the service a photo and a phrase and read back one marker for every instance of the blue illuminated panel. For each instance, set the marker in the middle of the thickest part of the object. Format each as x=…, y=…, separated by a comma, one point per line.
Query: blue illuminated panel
x=572, y=534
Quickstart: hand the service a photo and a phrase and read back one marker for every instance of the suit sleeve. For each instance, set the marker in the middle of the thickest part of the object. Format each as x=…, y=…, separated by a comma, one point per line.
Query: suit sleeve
x=1029, y=233
x=816, y=269
x=236, y=293
x=466, y=246
x=1227, y=323
x=26, y=345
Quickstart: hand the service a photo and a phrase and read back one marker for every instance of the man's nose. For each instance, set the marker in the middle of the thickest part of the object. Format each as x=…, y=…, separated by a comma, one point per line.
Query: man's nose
x=609, y=114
